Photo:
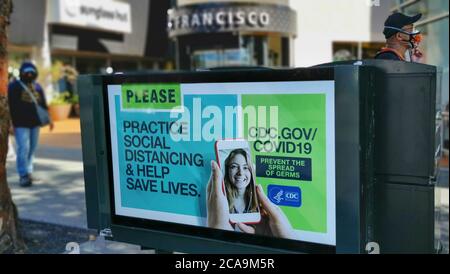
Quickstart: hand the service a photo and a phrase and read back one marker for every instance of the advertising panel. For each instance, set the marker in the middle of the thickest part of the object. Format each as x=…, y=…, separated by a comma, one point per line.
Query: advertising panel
x=253, y=158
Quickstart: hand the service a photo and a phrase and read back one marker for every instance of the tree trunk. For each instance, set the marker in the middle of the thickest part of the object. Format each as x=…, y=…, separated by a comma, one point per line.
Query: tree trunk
x=10, y=238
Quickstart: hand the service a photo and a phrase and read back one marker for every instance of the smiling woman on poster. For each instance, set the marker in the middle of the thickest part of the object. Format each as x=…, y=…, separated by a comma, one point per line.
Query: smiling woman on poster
x=239, y=183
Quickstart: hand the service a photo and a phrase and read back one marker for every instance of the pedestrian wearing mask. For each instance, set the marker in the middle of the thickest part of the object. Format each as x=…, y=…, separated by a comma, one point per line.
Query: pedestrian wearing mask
x=402, y=40
x=28, y=109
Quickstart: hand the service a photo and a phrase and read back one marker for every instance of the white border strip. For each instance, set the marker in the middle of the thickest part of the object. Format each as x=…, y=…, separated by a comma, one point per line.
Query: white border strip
x=113, y=91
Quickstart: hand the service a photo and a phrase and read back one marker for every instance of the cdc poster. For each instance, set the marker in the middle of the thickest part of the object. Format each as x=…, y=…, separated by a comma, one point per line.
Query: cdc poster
x=166, y=163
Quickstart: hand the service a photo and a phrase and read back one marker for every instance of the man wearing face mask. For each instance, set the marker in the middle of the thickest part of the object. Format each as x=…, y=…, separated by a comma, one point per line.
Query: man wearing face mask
x=402, y=40
x=23, y=95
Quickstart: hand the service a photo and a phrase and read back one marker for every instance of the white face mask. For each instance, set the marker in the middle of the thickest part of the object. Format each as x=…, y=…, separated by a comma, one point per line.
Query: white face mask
x=411, y=35
x=408, y=56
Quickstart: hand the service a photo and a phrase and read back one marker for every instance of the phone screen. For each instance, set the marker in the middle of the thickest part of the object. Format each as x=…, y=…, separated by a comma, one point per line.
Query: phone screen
x=239, y=180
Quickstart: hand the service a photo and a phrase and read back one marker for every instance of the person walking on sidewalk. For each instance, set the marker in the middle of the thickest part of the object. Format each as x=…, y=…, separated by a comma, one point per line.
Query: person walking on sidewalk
x=25, y=96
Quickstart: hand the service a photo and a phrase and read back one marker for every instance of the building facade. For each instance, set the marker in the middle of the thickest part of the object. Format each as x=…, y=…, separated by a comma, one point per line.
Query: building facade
x=330, y=30
x=275, y=33
x=232, y=33
x=91, y=36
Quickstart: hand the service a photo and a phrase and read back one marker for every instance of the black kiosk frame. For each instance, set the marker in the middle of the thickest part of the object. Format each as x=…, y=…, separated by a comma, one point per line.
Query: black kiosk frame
x=355, y=90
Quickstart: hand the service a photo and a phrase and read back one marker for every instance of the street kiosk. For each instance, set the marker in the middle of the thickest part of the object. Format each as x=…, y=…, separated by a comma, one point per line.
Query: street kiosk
x=407, y=153
x=338, y=158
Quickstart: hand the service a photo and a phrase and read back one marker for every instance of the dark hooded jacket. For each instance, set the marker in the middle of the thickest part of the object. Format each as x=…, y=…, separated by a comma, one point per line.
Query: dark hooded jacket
x=22, y=109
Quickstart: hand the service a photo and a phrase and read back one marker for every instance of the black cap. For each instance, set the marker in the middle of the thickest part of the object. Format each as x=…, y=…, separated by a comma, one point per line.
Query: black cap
x=399, y=20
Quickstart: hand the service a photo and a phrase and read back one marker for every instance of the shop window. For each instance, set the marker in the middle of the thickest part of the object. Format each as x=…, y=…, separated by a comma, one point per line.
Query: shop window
x=91, y=65
x=429, y=8
x=345, y=51
x=220, y=58
x=124, y=66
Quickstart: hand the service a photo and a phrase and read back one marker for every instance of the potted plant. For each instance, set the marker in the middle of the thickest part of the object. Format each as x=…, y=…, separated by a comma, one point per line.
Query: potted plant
x=60, y=106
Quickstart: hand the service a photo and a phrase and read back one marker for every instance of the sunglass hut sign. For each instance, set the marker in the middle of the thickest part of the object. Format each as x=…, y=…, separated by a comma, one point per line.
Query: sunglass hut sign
x=194, y=20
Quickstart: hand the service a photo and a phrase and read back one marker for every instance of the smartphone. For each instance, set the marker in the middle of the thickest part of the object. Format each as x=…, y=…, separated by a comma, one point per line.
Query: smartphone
x=239, y=180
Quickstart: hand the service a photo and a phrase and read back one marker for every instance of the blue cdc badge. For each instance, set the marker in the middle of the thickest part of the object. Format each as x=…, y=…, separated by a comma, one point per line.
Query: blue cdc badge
x=285, y=195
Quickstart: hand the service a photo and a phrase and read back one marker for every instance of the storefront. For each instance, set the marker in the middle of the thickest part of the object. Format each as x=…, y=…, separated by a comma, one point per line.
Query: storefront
x=92, y=36
x=232, y=33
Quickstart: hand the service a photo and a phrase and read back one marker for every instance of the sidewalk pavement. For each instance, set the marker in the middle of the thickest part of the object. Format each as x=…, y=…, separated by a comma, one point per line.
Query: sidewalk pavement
x=102, y=246
x=59, y=198
x=443, y=188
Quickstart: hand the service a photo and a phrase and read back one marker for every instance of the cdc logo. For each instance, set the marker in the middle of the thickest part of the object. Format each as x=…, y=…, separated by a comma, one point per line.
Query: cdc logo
x=285, y=195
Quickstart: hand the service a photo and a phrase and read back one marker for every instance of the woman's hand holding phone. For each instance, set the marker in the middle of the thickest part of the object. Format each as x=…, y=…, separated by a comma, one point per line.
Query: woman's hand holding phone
x=218, y=213
x=273, y=216
x=273, y=219
x=234, y=159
